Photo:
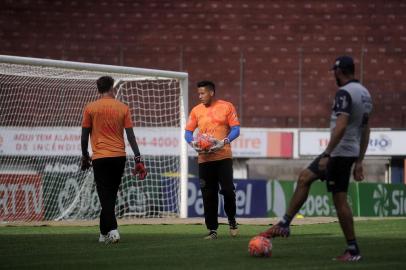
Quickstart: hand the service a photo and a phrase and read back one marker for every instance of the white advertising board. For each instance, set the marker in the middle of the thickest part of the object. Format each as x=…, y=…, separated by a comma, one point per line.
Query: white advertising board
x=65, y=141
x=381, y=143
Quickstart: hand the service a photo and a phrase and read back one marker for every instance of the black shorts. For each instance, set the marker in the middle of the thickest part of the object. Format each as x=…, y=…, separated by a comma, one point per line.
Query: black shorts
x=338, y=172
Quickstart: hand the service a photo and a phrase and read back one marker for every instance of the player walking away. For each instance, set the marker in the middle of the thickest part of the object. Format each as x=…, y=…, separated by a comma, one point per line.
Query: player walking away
x=218, y=119
x=105, y=120
x=348, y=142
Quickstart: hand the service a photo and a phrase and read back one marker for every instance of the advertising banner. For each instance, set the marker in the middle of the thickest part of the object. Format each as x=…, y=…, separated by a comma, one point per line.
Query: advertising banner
x=76, y=198
x=64, y=192
x=65, y=141
x=318, y=203
x=70, y=193
x=40, y=141
x=250, y=199
x=20, y=197
x=263, y=143
x=381, y=143
x=382, y=200
x=365, y=199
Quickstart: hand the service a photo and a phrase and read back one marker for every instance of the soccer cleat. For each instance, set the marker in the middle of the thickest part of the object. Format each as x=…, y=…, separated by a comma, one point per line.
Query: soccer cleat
x=112, y=237
x=233, y=228
x=348, y=257
x=102, y=238
x=211, y=236
x=276, y=230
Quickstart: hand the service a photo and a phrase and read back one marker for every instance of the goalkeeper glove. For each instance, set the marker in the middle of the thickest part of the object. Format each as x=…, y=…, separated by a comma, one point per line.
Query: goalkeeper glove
x=218, y=144
x=86, y=163
x=140, y=169
x=195, y=145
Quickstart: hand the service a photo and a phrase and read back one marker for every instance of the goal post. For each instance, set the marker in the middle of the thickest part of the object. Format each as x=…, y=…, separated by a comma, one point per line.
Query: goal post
x=41, y=105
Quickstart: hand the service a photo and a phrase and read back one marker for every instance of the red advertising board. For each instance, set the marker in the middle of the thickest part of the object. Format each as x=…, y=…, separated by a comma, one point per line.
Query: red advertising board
x=21, y=197
x=280, y=144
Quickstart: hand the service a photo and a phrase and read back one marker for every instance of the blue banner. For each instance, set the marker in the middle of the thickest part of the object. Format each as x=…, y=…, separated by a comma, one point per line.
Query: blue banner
x=250, y=199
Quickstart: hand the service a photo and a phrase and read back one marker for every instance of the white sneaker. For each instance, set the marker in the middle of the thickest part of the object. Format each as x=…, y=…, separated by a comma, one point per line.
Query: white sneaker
x=102, y=238
x=112, y=237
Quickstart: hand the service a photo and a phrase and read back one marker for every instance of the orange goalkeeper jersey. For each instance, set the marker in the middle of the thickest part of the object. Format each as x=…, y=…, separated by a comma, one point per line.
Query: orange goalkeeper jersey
x=107, y=117
x=215, y=120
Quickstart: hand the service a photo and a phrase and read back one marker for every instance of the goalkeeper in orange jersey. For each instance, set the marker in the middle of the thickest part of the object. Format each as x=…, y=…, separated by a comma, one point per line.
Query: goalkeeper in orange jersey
x=105, y=120
x=218, y=120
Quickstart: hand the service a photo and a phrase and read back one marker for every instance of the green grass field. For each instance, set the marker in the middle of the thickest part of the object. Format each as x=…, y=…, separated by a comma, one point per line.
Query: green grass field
x=382, y=242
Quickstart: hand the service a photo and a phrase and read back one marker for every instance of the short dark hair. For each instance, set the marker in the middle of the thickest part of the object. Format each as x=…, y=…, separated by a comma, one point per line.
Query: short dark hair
x=104, y=84
x=208, y=84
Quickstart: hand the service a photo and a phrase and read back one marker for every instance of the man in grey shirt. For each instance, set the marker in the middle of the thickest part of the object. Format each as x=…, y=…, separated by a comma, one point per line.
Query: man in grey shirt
x=347, y=146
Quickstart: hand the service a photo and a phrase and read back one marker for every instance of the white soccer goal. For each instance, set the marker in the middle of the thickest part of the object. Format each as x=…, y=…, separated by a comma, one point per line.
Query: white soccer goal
x=41, y=105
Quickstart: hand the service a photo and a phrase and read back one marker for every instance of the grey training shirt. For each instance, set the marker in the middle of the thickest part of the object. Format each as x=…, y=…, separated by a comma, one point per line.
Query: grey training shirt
x=352, y=99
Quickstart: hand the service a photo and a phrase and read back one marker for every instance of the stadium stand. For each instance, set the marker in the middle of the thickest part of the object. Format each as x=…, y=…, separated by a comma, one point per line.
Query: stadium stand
x=286, y=47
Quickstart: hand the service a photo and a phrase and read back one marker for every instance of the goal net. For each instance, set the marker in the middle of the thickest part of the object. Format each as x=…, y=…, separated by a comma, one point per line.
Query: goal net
x=41, y=106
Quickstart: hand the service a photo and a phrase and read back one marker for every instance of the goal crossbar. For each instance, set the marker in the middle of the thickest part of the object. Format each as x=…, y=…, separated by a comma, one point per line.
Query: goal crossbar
x=159, y=74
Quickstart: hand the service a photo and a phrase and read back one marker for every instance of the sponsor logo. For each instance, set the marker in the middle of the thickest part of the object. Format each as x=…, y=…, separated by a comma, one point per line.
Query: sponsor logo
x=58, y=167
x=276, y=199
x=79, y=199
x=389, y=202
x=21, y=197
x=243, y=198
x=399, y=203
x=317, y=205
x=381, y=143
x=381, y=201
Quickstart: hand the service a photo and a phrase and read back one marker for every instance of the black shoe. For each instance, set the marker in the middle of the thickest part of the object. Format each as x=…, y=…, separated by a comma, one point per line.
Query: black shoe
x=211, y=236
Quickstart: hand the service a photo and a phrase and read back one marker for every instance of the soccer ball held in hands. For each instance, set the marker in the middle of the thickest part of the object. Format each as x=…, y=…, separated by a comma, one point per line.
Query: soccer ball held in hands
x=205, y=142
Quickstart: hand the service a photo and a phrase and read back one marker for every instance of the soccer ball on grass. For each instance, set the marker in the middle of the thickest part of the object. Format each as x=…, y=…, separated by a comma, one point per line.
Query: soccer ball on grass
x=260, y=246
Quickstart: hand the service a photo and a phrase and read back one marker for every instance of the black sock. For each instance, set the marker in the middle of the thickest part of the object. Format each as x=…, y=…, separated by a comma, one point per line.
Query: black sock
x=352, y=247
x=285, y=221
